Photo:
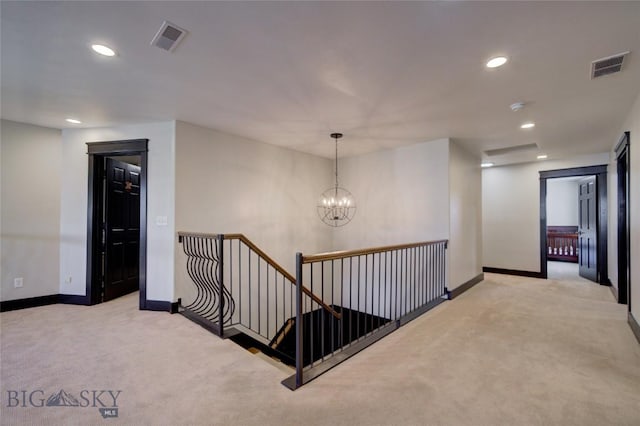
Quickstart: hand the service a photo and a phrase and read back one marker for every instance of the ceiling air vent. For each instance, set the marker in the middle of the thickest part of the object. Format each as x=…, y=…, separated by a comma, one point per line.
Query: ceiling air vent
x=168, y=36
x=511, y=150
x=608, y=65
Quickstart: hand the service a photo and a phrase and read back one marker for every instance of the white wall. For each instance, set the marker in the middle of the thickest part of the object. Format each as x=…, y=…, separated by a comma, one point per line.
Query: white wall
x=631, y=124
x=30, y=209
x=228, y=184
x=562, y=202
x=160, y=202
x=402, y=196
x=511, y=211
x=465, y=227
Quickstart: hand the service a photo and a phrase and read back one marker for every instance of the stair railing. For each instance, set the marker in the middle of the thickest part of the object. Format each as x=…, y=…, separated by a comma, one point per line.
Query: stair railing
x=239, y=288
x=376, y=290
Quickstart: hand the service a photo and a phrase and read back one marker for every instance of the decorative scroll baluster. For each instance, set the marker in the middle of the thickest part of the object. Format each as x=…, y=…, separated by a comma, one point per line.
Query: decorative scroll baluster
x=204, y=267
x=245, y=269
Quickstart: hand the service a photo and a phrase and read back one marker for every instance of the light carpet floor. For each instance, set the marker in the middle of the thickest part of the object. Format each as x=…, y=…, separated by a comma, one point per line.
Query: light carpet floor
x=510, y=351
x=564, y=271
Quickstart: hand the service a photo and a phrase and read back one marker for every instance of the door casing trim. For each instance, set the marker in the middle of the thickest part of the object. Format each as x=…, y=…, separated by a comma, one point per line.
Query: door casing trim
x=96, y=152
x=600, y=171
x=624, y=229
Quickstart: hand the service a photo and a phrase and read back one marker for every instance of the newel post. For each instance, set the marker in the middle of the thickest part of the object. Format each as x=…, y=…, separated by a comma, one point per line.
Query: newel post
x=299, y=325
x=221, y=285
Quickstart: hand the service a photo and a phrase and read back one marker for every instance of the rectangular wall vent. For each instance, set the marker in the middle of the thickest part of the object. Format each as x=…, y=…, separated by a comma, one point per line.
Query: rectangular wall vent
x=168, y=36
x=511, y=149
x=608, y=65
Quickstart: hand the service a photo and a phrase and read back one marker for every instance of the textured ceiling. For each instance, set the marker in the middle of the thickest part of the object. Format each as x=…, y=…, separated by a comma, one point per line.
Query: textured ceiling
x=289, y=73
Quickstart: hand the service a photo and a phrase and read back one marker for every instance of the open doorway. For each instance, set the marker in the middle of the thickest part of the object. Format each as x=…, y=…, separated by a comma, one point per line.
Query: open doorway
x=573, y=223
x=571, y=236
x=116, y=220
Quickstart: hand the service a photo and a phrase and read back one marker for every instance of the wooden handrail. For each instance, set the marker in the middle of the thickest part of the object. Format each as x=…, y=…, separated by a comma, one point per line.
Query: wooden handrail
x=283, y=271
x=262, y=254
x=362, y=252
x=270, y=261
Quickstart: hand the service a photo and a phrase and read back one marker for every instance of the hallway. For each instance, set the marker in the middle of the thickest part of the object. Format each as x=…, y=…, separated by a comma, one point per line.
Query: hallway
x=511, y=350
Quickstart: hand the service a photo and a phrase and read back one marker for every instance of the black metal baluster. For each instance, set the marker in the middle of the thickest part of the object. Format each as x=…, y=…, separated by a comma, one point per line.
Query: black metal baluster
x=322, y=319
x=231, y=274
x=366, y=285
x=221, y=285
x=275, y=297
x=358, y=317
x=395, y=303
x=259, y=296
x=240, y=280
x=379, y=286
x=299, y=325
x=249, y=273
x=350, y=299
x=416, y=285
x=341, y=330
x=312, y=334
x=267, y=298
x=333, y=306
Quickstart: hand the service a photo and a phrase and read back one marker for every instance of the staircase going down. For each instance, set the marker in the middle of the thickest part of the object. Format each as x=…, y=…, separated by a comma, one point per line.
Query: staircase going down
x=335, y=306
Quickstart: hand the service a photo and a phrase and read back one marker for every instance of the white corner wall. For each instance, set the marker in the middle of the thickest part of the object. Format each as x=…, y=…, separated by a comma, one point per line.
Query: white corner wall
x=402, y=196
x=465, y=227
x=160, y=202
x=562, y=202
x=229, y=184
x=511, y=211
x=30, y=209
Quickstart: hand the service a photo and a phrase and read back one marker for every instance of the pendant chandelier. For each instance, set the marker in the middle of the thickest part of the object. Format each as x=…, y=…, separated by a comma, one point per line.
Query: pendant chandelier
x=336, y=206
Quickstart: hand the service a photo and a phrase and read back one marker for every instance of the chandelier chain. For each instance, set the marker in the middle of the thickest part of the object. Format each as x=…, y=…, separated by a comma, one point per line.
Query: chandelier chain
x=336, y=162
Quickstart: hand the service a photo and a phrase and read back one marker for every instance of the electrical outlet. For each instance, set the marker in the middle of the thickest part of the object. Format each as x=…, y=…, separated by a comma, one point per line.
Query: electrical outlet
x=68, y=280
x=17, y=282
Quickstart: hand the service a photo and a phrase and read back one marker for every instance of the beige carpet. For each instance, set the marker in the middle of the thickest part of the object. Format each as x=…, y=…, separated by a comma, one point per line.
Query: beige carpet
x=511, y=351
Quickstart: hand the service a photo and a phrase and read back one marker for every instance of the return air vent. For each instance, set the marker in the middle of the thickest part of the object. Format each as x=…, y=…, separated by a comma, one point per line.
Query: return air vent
x=168, y=36
x=608, y=65
x=511, y=149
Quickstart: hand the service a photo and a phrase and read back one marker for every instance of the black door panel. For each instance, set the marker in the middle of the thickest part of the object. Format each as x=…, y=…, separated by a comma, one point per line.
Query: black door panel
x=122, y=224
x=587, y=229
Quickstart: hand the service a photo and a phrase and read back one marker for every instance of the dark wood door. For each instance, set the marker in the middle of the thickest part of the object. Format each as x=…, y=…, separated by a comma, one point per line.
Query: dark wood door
x=587, y=229
x=122, y=229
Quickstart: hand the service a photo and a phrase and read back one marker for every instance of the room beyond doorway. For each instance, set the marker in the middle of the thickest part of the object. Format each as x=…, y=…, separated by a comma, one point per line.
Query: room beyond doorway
x=564, y=271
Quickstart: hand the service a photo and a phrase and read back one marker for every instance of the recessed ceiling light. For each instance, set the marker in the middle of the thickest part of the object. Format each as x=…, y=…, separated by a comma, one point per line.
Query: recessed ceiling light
x=529, y=125
x=103, y=50
x=73, y=121
x=485, y=165
x=496, y=62
x=542, y=157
